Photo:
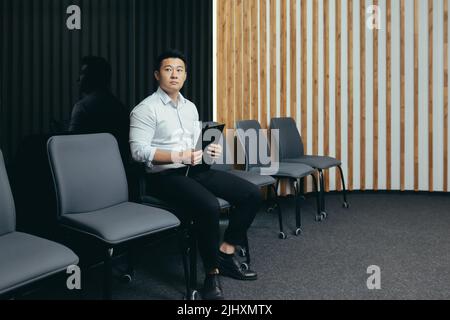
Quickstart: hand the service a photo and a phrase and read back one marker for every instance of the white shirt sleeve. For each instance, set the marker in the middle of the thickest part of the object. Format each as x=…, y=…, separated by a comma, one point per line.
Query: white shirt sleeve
x=142, y=130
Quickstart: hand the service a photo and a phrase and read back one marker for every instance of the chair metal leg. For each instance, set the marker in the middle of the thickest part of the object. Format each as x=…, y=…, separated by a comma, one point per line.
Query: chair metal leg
x=322, y=194
x=183, y=247
x=344, y=191
x=281, y=234
x=107, y=284
x=128, y=276
x=298, y=214
x=192, y=258
x=273, y=204
x=302, y=188
x=319, y=215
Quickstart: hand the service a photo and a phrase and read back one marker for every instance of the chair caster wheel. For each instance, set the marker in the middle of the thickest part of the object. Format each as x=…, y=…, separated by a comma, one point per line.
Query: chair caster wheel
x=244, y=266
x=193, y=296
x=298, y=232
x=272, y=208
x=242, y=252
x=319, y=218
x=282, y=236
x=126, y=278
x=346, y=205
x=324, y=214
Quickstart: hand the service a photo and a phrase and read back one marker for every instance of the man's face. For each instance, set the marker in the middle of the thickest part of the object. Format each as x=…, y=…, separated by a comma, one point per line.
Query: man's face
x=171, y=75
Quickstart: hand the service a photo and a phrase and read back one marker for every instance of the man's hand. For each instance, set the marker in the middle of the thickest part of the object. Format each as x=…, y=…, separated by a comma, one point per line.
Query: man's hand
x=214, y=151
x=190, y=157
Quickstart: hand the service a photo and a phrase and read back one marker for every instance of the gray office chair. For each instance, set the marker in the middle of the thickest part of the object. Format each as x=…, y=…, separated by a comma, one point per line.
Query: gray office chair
x=25, y=259
x=92, y=196
x=252, y=177
x=191, y=249
x=259, y=180
x=291, y=150
x=291, y=171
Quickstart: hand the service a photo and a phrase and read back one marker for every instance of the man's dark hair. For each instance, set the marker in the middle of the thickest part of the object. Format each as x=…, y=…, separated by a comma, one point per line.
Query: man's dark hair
x=172, y=53
x=98, y=70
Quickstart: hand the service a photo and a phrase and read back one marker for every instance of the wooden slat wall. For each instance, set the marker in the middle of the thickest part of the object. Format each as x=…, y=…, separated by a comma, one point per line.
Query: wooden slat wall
x=402, y=95
x=246, y=91
x=446, y=95
x=350, y=91
x=416, y=94
x=362, y=42
x=338, y=75
x=388, y=95
x=326, y=107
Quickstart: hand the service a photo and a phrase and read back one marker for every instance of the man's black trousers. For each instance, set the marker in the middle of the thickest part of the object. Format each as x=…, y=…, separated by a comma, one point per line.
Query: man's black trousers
x=195, y=198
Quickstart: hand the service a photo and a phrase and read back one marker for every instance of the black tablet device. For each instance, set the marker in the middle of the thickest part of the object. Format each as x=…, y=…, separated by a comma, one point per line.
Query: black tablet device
x=211, y=133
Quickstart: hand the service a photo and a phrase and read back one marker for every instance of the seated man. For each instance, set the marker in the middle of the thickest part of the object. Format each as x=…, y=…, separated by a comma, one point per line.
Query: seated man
x=99, y=111
x=162, y=130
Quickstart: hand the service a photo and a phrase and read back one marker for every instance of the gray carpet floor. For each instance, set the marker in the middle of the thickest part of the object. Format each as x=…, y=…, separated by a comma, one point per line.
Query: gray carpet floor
x=406, y=235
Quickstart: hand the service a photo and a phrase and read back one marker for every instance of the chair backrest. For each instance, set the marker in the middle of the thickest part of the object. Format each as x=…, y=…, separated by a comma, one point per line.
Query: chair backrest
x=7, y=209
x=87, y=171
x=252, y=142
x=290, y=144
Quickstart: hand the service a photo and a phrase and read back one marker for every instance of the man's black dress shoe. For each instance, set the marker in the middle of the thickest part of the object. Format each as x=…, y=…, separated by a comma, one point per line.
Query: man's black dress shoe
x=212, y=289
x=230, y=266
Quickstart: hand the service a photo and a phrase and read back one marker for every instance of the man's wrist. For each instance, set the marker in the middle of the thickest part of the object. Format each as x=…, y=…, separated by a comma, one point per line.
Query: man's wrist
x=177, y=157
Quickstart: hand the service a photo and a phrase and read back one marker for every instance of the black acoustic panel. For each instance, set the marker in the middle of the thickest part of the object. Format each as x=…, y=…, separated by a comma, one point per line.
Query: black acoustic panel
x=185, y=25
x=40, y=57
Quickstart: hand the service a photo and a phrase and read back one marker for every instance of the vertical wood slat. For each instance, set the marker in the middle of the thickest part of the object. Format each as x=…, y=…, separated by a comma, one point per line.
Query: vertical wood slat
x=304, y=76
x=315, y=68
x=283, y=76
x=445, y=96
x=362, y=28
x=338, y=89
x=221, y=64
x=388, y=95
x=375, y=105
x=226, y=68
x=254, y=60
x=416, y=95
x=273, y=59
x=326, y=107
x=230, y=66
x=263, y=59
x=293, y=44
x=430, y=96
x=283, y=57
x=350, y=93
x=246, y=62
x=402, y=95
x=237, y=54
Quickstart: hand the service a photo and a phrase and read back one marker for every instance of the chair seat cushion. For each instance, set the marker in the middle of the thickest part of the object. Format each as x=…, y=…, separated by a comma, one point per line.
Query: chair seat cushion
x=25, y=259
x=286, y=170
x=122, y=222
x=318, y=162
x=153, y=201
x=253, y=177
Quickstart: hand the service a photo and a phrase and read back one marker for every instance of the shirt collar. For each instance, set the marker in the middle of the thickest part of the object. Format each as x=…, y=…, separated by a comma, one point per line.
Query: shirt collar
x=167, y=100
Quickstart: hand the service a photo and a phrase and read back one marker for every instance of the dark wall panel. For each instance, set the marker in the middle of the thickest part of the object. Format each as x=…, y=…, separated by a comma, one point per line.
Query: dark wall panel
x=181, y=24
x=40, y=57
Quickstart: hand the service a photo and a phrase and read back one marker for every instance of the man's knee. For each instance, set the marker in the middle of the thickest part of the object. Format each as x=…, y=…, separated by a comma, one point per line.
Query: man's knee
x=207, y=210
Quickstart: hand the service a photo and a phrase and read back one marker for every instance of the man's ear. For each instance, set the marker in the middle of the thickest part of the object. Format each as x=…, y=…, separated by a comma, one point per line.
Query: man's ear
x=156, y=74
